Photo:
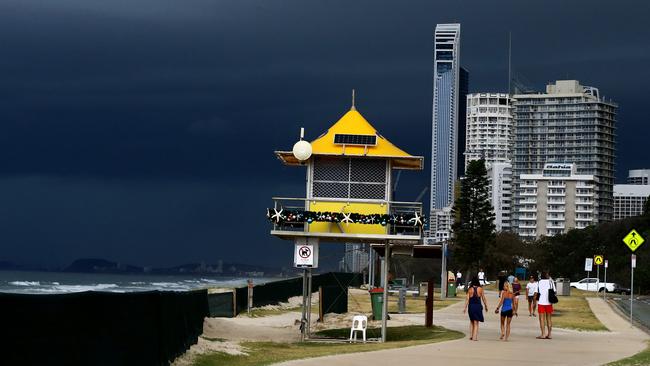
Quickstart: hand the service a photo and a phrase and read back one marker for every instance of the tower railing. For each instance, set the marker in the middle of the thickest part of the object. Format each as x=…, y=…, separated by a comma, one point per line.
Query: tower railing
x=402, y=217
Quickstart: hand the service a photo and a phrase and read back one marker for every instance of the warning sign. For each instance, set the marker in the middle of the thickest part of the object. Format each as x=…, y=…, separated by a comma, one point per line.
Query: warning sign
x=633, y=240
x=599, y=259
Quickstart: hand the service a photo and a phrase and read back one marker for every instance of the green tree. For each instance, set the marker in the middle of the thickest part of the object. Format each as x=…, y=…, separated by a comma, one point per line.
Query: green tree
x=503, y=253
x=474, y=226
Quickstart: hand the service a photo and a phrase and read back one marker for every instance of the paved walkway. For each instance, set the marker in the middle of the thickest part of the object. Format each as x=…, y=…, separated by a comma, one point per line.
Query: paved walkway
x=566, y=348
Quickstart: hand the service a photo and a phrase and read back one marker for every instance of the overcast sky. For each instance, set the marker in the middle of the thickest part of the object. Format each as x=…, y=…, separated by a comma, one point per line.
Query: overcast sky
x=143, y=131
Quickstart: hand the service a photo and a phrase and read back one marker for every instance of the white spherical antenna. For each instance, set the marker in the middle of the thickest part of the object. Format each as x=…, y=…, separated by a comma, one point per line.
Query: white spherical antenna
x=302, y=149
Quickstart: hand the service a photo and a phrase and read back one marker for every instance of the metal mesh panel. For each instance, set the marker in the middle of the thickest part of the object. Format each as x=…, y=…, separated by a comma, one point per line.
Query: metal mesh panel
x=337, y=170
x=367, y=191
x=349, y=178
x=368, y=171
x=330, y=190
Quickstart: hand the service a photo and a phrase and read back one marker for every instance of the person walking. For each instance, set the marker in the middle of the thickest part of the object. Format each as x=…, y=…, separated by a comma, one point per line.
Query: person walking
x=481, y=277
x=544, y=306
x=516, y=290
x=459, y=278
x=473, y=307
x=507, y=310
x=530, y=294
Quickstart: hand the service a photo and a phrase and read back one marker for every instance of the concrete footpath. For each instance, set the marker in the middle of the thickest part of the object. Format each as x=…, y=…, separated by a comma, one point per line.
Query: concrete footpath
x=567, y=347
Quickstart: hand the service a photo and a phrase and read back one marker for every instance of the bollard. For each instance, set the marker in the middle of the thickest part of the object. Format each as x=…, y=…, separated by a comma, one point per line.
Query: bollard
x=402, y=301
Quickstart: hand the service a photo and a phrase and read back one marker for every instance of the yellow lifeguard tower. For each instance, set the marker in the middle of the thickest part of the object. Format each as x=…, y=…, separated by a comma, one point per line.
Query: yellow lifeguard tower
x=349, y=190
x=349, y=194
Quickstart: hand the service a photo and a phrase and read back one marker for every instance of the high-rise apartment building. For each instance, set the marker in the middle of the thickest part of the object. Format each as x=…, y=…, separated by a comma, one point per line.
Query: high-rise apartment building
x=629, y=199
x=450, y=83
x=490, y=137
x=555, y=201
x=489, y=128
x=570, y=123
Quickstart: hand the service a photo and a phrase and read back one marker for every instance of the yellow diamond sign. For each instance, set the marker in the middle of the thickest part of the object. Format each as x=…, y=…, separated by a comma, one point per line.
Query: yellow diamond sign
x=633, y=240
x=598, y=260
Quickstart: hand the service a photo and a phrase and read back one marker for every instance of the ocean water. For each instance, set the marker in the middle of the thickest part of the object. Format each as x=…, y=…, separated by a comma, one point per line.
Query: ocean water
x=58, y=282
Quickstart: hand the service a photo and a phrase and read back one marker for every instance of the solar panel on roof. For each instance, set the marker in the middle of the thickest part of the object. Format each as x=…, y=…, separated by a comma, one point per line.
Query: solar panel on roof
x=345, y=139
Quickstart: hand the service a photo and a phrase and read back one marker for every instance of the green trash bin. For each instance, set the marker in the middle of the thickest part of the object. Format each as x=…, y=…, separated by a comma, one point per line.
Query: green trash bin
x=377, y=301
x=451, y=289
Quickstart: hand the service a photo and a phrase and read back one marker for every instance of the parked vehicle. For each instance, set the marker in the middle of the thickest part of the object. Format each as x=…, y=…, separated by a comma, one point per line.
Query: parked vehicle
x=593, y=284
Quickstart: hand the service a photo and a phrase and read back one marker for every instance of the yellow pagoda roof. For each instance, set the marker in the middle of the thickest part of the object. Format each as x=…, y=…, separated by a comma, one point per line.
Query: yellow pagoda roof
x=353, y=136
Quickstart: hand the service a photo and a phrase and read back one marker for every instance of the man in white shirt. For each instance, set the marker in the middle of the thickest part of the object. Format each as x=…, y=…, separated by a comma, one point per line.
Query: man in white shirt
x=544, y=306
x=481, y=277
x=531, y=287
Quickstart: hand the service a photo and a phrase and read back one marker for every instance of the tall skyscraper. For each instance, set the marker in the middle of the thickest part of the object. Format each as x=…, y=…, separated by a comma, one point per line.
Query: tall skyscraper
x=447, y=89
x=570, y=123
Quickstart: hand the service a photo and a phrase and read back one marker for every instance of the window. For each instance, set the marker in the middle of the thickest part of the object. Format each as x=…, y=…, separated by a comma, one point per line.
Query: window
x=349, y=178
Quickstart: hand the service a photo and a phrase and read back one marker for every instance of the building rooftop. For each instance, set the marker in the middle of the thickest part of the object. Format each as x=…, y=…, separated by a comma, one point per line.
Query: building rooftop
x=353, y=136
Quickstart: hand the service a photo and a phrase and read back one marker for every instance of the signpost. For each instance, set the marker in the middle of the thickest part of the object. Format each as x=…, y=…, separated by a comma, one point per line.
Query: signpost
x=305, y=256
x=598, y=260
x=605, y=292
x=633, y=240
x=632, y=284
x=589, y=262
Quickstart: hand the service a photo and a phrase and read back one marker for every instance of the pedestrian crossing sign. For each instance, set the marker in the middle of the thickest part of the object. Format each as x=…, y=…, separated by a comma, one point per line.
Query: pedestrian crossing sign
x=598, y=260
x=633, y=240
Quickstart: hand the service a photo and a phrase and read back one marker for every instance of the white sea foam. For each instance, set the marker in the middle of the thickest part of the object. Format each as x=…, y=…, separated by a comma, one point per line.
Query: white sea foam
x=25, y=283
x=82, y=288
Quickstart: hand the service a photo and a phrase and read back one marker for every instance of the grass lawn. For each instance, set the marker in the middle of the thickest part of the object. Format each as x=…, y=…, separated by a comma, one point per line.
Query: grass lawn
x=573, y=312
x=359, y=302
x=640, y=359
x=265, y=353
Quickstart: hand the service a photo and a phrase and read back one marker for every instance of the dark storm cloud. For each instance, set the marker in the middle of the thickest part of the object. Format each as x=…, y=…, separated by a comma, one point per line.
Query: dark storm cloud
x=131, y=105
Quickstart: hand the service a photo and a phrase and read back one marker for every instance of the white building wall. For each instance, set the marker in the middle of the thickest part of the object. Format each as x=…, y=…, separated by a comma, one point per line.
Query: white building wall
x=555, y=201
x=629, y=199
x=638, y=176
x=500, y=178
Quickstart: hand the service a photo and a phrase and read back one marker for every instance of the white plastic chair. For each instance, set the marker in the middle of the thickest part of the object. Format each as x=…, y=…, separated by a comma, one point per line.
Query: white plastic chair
x=359, y=324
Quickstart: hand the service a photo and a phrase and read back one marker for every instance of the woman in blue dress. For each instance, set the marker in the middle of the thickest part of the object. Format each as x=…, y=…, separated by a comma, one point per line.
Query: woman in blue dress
x=507, y=310
x=473, y=306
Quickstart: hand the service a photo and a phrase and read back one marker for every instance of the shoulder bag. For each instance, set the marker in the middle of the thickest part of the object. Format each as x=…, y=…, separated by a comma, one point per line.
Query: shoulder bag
x=552, y=297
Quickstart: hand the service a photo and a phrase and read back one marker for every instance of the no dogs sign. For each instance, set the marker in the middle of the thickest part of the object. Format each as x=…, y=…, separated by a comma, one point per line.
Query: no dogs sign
x=306, y=253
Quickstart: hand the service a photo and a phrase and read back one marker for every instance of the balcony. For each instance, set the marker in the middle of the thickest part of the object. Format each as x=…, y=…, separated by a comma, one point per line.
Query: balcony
x=527, y=226
x=347, y=220
x=556, y=227
x=527, y=218
x=527, y=185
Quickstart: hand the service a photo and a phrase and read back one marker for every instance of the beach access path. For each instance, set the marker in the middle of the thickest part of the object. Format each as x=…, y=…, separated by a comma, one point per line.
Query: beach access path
x=568, y=347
